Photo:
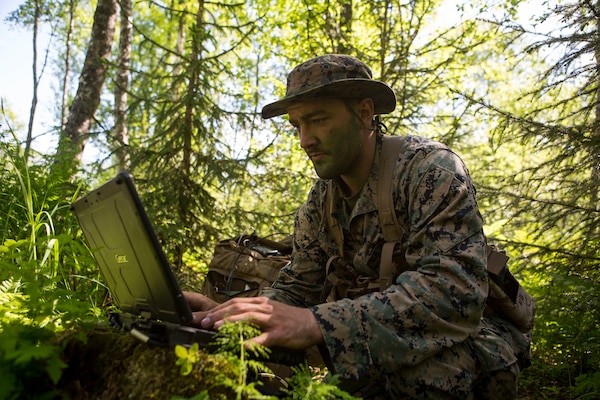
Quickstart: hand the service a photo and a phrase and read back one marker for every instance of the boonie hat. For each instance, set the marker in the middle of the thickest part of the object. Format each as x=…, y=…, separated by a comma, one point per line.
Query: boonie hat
x=335, y=75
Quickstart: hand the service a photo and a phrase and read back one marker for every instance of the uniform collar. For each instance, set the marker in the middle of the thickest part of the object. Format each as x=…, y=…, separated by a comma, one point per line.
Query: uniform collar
x=366, y=202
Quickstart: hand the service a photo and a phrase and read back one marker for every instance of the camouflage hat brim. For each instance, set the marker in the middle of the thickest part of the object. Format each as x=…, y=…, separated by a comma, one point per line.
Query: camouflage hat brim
x=382, y=95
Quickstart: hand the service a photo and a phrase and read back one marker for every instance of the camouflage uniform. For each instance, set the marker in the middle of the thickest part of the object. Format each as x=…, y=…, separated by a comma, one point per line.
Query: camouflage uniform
x=423, y=337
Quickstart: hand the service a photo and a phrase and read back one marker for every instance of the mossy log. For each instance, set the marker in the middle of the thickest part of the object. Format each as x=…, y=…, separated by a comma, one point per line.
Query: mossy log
x=110, y=364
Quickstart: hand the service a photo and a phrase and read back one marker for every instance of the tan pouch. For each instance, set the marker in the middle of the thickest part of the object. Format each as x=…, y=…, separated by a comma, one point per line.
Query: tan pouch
x=507, y=298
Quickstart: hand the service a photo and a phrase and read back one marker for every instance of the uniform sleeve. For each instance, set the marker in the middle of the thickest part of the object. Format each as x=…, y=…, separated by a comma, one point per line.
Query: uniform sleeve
x=300, y=283
x=436, y=304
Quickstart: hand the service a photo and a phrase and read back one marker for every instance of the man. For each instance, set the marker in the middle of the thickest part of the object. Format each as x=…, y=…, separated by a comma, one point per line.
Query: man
x=423, y=336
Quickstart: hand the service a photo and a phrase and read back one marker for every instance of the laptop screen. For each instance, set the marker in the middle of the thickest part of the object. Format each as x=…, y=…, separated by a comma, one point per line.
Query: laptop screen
x=124, y=243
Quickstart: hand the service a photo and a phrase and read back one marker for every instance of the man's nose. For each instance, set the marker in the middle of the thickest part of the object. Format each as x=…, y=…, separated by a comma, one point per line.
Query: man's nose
x=307, y=139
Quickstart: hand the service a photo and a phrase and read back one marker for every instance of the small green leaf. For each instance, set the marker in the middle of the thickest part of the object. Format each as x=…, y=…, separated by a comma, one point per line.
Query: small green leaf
x=54, y=368
x=181, y=352
x=186, y=368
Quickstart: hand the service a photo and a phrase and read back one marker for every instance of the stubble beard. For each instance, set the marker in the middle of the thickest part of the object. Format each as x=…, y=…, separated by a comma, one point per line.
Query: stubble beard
x=344, y=157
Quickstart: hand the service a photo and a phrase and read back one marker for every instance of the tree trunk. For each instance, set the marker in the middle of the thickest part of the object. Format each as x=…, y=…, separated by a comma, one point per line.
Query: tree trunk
x=120, y=137
x=192, y=90
x=36, y=19
x=81, y=114
x=65, y=87
x=596, y=134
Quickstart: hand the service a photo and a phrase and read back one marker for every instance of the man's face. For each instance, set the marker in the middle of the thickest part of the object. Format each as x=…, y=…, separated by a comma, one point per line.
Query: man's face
x=331, y=135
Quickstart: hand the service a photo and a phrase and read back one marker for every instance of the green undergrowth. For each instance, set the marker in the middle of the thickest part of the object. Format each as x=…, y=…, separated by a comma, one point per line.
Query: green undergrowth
x=245, y=377
x=47, y=280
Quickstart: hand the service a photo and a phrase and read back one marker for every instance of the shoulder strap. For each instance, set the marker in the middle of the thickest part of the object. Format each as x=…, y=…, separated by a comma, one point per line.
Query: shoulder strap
x=392, y=230
x=390, y=226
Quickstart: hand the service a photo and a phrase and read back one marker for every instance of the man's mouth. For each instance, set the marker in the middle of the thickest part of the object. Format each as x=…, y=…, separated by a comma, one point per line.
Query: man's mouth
x=316, y=155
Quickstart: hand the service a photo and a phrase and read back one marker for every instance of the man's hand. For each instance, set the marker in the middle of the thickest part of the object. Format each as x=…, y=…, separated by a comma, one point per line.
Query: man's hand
x=282, y=325
x=200, y=306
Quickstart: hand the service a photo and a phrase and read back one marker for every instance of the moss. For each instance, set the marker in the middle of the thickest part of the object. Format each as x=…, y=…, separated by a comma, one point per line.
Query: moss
x=109, y=364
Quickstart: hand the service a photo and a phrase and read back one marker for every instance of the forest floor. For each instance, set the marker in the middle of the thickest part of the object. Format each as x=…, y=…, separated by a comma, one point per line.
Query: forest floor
x=110, y=364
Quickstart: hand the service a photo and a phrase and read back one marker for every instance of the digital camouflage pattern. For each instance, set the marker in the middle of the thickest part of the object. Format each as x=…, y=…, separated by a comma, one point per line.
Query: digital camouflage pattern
x=336, y=75
x=432, y=316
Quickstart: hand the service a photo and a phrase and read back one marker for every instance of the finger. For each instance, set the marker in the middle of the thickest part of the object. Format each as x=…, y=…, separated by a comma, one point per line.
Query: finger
x=257, y=310
x=199, y=302
x=195, y=300
x=248, y=316
x=263, y=339
x=252, y=313
x=213, y=317
x=197, y=318
x=231, y=308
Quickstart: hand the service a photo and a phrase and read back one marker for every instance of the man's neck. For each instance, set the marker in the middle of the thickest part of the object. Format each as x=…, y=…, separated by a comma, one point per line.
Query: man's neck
x=352, y=184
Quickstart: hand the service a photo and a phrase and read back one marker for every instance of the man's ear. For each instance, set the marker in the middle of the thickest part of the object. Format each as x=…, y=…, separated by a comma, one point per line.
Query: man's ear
x=366, y=109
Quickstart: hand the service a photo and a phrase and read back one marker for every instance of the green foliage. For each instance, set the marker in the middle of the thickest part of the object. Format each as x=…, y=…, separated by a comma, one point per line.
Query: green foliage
x=304, y=386
x=31, y=364
x=239, y=355
x=587, y=385
x=243, y=372
x=47, y=279
x=186, y=358
x=543, y=199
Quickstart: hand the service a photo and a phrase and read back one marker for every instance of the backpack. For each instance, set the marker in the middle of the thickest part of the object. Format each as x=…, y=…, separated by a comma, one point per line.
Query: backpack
x=241, y=266
x=506, y=297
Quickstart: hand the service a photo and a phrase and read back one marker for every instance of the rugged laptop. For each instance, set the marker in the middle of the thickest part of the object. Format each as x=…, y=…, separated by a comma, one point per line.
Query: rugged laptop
x=135, y=269
x=141, y=282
